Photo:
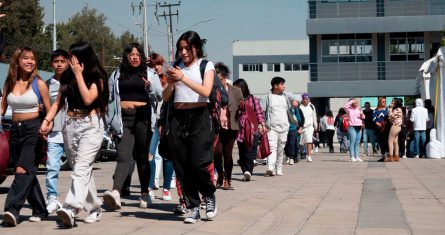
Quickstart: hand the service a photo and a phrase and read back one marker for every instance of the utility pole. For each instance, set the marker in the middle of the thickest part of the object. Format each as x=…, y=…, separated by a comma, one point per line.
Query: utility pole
x=170, y=26
x=54, y=26
x=143, y=8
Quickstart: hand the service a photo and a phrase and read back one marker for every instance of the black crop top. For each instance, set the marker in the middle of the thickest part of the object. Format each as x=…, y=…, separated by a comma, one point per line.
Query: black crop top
x=133, y=89
x=74, y=98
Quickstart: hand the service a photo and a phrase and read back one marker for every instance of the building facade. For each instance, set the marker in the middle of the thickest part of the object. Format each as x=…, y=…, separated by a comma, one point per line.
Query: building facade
x=258, y=62
x=369, y=48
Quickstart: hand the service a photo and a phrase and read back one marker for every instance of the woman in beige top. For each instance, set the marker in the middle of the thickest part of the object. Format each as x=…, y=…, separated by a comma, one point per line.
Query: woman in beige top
x=395, y=117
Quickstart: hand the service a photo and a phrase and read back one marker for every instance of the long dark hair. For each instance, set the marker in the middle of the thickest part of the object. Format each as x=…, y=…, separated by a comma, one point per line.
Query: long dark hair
x=14, y=71
x=397, y=103
x=126, y=69
x=193, y=40
x=242, y=84
x=329, y=114
x=93, y=72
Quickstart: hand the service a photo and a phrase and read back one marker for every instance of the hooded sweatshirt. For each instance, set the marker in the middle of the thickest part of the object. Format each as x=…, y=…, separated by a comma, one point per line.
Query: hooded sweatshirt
x=419, y=116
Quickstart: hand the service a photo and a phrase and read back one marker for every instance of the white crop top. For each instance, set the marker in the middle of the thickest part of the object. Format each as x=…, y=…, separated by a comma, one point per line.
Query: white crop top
x=25, y=103
x=185, y=94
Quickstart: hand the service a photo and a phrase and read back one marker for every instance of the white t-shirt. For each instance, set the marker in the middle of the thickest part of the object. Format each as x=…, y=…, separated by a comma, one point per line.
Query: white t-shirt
x=185, y=94
x=278, y=113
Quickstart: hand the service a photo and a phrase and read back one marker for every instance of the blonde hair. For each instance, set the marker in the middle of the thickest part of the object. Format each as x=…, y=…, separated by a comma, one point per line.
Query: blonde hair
x=379, y=105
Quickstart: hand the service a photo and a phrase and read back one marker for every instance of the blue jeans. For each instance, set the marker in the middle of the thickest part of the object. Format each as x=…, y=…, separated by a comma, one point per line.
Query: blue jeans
x=419, y=143
x=368, y=135
x=354, y=135
x=167, y=164
x=55, y=152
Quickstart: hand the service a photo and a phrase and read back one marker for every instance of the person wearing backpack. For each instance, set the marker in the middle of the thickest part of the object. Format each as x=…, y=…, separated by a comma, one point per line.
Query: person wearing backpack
x=294, y=134
x=276, y=105
x=229, y=127
x=355, y=123
x=342, y=130
x=59, y=62
x=192, y=130
x=24, y=91
x=310, y=124
x=248, y=150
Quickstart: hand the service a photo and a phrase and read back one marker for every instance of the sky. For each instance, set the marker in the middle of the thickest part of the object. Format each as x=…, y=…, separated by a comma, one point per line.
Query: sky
x=219, y=21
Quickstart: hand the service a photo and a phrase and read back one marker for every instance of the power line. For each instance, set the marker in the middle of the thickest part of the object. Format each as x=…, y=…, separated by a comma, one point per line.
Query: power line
x=170, y=25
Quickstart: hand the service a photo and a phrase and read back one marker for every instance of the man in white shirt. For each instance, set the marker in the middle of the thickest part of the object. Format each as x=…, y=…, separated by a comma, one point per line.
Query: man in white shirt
x=419, y=117
x=276, y=105
x=310, y=124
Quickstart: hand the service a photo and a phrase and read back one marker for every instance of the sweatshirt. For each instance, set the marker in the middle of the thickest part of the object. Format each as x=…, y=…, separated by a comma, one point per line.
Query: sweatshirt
x=419, y=116
x=355, y=115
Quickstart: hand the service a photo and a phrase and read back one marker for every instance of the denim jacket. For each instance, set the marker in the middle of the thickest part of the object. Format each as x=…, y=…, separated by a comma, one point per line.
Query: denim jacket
x=114, y=115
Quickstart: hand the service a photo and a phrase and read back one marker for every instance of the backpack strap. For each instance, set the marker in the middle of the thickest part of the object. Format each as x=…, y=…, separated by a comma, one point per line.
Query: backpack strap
x=35, y=88
x=202, y=68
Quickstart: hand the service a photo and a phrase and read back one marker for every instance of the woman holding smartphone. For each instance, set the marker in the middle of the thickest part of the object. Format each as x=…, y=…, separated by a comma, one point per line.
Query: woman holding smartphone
x=191, y=128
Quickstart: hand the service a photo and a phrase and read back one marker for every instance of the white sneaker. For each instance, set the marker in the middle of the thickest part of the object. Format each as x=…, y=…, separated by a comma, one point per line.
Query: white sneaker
x=279, y=172
x=316, y=149
x=53, y=205
x=309, y=159
x=10, y=219
x=417, y=156
x=247, y=176
x=93, y=217
x=287, y=160
x=270, y=172
x=156, y=185
x=353, y=160
x=67, y=216
x=166, y=196
x=112, y=199
x=35, y=219
x=146, y=199
x=173, y=183
x=404, y=156
x=291, y=161
x=358, y=159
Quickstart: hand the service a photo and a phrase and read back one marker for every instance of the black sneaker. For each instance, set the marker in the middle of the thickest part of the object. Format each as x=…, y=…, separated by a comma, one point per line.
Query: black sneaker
x=193, y=216
x=211, y=208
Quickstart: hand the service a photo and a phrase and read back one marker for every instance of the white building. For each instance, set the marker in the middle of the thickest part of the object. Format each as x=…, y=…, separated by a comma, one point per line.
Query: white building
x=258, y=62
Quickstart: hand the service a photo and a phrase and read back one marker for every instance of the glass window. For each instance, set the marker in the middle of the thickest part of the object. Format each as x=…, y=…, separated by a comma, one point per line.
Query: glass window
x=288, y=67
x=406, y=48
x=276, y=67
x=253, y=67
x=347, y=50
x=305, y=67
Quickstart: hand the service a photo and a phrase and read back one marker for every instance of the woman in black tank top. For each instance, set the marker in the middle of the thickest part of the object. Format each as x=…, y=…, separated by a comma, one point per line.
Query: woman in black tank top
x=84, y=87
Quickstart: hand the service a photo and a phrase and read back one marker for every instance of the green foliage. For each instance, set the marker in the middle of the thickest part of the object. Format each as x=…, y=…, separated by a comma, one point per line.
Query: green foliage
x=23, y=26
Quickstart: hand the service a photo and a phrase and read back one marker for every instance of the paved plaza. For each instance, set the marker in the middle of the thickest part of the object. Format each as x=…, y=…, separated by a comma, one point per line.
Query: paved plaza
x=328, y=196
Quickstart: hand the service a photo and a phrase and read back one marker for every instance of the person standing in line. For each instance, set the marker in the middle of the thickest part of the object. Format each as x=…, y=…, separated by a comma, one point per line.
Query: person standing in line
x=24, y=91
x=246, y=155
x=276, y=105
x=84, y=88
x=192, y=132
x=310, y=124
x=419, y=118
x=59, y=62
x=396, y=118
x=330, y=130
x=132, y=87
x=342, y=134
x=355, y=123
x=380, y=118
x=368, y=132
x=293, y=137
x=156, y=161
x=228, y=131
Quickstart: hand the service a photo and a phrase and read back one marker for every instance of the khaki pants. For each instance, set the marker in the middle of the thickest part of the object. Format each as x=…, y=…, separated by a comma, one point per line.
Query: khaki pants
x=83, y=139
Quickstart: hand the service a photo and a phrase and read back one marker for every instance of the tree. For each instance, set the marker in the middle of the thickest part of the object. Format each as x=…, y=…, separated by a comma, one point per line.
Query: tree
x=24, y=27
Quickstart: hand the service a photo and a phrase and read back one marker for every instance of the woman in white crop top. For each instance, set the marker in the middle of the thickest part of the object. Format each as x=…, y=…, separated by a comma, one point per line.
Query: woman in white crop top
x=24, y=135
x=191, y=138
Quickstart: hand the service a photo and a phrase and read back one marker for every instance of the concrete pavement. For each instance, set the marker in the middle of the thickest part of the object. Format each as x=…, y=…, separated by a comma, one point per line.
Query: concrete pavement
x=328, y=196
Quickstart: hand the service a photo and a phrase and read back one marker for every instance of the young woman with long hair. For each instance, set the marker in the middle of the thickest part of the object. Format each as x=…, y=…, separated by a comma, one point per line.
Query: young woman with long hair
x=133, y=89
x=192, y=131
x=380, y=118
x=330, y=130
x=396, y=119
x=355, y=123
x=84, y=89
x=24, y=91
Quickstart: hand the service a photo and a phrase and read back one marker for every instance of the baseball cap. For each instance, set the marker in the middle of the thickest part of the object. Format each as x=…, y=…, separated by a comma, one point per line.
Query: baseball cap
x=305, y=96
